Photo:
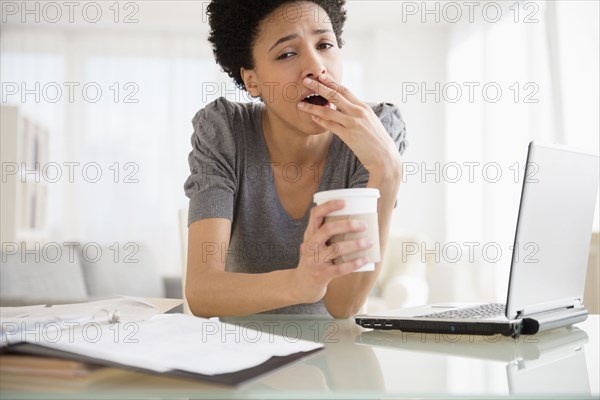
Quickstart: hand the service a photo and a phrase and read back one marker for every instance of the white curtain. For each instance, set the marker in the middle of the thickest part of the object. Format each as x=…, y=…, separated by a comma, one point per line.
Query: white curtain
x=547, y=71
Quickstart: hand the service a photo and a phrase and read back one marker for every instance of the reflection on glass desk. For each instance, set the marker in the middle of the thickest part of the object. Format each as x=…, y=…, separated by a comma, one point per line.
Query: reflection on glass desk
x=360, y=363
x=551, y=364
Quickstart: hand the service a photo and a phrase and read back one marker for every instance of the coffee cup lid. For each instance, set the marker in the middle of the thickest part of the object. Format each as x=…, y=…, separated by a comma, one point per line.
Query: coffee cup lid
x=340, y=194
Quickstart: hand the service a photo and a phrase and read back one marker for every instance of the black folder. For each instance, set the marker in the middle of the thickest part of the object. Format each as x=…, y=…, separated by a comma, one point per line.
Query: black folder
x=229, y=379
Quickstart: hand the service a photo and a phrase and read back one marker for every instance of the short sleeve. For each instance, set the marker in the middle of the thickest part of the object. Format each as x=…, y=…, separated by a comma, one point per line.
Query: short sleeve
x=391, y=119
x=211, y=185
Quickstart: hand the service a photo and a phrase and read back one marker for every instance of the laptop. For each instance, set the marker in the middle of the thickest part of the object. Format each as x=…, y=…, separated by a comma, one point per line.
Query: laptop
x=556, y=214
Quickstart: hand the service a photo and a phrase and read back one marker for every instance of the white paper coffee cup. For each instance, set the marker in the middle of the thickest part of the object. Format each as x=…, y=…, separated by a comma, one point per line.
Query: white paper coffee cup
x=359, y=204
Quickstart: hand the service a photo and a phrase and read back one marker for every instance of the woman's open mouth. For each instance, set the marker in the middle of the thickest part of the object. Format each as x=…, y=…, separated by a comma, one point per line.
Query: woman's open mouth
x=317, y=100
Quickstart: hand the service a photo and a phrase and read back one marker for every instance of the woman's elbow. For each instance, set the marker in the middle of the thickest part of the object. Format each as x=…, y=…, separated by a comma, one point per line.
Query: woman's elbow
x=341, y=315
x=196, y=304
x=342, y=312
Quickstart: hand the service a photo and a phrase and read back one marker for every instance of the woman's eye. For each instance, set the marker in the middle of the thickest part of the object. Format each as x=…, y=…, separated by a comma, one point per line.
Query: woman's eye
x=321, y=46
x=285, y=55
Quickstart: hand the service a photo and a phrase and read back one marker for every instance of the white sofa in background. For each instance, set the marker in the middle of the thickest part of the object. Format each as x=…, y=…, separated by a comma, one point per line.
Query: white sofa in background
x=47, y=279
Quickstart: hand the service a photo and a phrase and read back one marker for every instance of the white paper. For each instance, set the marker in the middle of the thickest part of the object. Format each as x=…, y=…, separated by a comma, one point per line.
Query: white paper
x=181, y=342
x=41, y=323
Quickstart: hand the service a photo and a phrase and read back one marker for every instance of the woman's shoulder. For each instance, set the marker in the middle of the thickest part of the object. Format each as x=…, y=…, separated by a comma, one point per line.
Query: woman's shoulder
x=224, y=121
x=391, y=119
x=222, y=109
x=389, y=115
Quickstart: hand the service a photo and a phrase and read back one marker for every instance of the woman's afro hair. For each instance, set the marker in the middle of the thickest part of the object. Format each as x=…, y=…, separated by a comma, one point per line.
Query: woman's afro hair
x=234, y=27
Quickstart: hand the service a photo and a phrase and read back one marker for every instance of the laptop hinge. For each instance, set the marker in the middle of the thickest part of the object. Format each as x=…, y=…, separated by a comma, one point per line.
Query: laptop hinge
x=553, y=319
x=549, y=307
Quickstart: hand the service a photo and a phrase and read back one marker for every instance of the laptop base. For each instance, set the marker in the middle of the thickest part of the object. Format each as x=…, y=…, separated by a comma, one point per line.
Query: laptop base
x=514, y=328
x=484, y=328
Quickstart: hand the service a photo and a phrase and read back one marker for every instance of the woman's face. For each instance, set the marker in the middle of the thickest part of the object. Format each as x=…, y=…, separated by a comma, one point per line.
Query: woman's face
x=294, y=42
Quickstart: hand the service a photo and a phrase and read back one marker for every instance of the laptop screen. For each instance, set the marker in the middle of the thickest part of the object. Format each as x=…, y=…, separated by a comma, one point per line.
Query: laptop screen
x=554, y=228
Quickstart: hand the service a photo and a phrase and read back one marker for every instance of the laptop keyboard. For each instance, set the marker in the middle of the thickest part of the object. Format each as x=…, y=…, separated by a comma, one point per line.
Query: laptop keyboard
x=477, y=312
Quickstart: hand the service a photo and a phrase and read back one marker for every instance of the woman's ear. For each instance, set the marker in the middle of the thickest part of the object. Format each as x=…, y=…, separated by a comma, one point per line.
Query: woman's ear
x=250, y=82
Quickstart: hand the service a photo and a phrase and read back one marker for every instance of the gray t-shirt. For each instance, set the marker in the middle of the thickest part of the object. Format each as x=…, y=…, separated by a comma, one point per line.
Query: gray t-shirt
x=231, y=177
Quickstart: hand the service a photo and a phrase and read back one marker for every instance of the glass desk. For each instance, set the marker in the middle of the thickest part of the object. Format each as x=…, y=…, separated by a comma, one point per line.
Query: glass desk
x=361, y=363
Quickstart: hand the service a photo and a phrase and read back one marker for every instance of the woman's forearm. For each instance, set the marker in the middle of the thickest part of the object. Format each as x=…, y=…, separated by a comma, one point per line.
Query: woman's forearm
x=211, y=291
x=346, y=295
x=220, y=293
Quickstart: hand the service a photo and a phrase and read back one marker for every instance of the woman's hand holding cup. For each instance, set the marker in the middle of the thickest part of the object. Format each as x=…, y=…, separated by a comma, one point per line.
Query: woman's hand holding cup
x=337, y=240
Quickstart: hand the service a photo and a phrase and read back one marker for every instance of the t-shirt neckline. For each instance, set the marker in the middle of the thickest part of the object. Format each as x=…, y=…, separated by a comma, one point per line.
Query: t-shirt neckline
x=271, y=184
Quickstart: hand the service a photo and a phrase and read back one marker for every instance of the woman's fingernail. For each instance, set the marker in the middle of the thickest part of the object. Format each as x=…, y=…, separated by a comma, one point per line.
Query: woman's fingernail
x=361, y=226
x=322, y=77
x=308, y=81
x=339, y=203
x=366, y=243
x=301, y=104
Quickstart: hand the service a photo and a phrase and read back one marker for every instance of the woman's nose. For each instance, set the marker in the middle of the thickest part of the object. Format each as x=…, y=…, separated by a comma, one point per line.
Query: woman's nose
x=314, y=65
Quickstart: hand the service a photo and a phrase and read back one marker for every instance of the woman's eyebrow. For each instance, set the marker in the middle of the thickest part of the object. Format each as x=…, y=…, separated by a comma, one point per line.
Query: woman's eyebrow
x=294, y=36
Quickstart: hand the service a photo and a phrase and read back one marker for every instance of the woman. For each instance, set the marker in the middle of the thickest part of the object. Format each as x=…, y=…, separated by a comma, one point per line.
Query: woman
x=255, y=243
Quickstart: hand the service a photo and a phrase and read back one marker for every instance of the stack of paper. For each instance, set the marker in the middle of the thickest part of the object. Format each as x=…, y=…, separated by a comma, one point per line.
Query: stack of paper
x=163, y=343
x=42, y=322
